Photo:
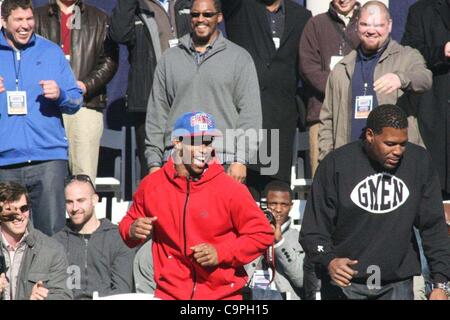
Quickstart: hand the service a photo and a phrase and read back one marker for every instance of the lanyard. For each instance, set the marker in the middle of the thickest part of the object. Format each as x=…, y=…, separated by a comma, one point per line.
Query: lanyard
x=363, y=77
x=17, y=69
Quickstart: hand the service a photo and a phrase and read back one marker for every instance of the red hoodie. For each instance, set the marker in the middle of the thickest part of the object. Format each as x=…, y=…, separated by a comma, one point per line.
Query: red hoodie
x=215, y=209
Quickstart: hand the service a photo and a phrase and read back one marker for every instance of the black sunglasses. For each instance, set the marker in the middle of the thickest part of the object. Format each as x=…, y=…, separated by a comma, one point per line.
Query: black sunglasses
x=197, y=141
x=80, y=177
x=205, y=14
x=23, y=209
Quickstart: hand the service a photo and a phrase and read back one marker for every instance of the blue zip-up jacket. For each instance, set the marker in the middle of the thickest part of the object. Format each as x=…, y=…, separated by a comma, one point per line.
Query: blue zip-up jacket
x=39, y=135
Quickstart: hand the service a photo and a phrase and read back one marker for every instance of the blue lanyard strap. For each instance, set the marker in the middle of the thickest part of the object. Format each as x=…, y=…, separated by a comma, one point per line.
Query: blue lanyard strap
x=17, y=69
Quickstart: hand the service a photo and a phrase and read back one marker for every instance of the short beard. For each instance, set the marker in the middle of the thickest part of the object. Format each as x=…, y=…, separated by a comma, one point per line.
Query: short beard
x=268, y=2
x=200, y=41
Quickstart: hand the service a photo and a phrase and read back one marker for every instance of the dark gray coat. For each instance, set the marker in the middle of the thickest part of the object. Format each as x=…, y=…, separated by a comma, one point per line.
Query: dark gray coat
x=247, y=25
x=43, y=260
x=428, y=30
x=104, y=263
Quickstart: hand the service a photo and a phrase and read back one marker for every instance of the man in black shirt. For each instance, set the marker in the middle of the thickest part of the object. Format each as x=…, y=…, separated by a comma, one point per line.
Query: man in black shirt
x=365, y=200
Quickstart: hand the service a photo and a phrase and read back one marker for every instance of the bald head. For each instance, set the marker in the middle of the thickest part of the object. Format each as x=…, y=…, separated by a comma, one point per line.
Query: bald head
x=374, y=26
x=375, y=7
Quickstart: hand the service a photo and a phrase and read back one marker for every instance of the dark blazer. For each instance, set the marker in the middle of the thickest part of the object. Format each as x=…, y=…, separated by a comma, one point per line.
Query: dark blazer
x=247, y=25
x=428, y=30
x=94, y=58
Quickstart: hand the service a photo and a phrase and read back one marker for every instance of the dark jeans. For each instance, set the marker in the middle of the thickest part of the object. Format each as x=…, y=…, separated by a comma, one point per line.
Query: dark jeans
x=45, y=184
x=311, y=281
x=401, y=290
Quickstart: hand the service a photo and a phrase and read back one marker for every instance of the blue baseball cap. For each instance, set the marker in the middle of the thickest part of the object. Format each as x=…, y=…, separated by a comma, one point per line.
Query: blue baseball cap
x=195, y=124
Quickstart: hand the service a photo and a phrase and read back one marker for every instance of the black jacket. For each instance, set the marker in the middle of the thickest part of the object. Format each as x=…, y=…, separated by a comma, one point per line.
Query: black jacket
x=428, y=30
x=94, y=58
x=247, y=25
x=358, y=211
x=133, y=25
x=103, y=262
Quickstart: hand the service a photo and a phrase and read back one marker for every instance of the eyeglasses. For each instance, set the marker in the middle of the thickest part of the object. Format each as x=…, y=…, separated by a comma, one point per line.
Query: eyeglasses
x=11, y=217
x=205, y=14
x=197, y=141
x=80, y=177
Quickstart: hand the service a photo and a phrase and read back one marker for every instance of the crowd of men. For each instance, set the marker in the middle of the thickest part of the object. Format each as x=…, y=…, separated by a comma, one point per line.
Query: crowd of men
x=216, y=115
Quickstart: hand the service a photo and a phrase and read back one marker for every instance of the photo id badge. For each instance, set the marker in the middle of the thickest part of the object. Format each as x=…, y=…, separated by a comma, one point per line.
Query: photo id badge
x=17, y=102
x=276, y=42
x=363, y=106
x=334, y=61
x=173, y=43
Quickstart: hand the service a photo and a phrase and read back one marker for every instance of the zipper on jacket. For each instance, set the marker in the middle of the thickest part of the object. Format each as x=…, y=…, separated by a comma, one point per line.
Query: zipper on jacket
x=194, y=275
x=85, y=263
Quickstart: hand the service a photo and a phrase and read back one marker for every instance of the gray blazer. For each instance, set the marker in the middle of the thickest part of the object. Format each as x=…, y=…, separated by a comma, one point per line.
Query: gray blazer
x=289, y=263
x=44, y=259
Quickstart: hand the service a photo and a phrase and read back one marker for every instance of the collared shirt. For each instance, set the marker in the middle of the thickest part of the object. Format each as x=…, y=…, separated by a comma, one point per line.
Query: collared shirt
x=200, y=56
x=165, y=4
x=276, y=21
x=346, y=18
x=13, y=258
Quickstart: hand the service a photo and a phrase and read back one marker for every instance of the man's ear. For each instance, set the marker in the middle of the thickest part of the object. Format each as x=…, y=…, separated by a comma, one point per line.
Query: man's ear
x=369, y=135
x=177, y=144
x=95, y=199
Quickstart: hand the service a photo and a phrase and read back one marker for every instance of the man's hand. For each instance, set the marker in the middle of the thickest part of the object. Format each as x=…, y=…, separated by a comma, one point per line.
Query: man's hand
x=205, y=255
x=340, y=271
x=8, y=213
x=237, y=171
x=3, y=283
x=277, y=228
x=82, y=86
x=39, y=292
x=387, y=83
x=2, y=84
x=446, y=52
x=50, y=89
x=142, y=228
x=438, y=294
x=153, y=169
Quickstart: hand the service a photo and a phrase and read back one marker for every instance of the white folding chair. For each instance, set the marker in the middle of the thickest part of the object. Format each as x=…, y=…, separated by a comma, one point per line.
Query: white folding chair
x=118, y=209
x=296, y=213
x=299, y=184
x=115, y=140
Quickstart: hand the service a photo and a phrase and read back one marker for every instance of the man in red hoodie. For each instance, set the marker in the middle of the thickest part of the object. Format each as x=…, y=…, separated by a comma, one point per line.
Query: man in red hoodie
x=205, y=226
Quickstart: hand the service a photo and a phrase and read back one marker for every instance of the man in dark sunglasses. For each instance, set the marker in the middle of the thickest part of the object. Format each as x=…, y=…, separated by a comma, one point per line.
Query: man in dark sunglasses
x=208, y=71
x=35, y=265
x=205, y=225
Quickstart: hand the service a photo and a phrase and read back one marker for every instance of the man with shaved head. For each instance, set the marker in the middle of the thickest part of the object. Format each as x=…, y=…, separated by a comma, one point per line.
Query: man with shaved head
x=379, y=71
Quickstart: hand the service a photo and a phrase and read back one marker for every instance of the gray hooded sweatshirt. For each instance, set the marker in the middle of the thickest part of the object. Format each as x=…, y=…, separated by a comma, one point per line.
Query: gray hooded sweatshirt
x=97, y=262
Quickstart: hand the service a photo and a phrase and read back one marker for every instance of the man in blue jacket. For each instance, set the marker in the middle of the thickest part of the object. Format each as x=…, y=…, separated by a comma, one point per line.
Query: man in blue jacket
x=36, y=86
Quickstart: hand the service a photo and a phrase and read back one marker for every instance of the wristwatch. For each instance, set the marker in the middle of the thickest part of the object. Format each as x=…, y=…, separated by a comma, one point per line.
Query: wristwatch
x=443, y=286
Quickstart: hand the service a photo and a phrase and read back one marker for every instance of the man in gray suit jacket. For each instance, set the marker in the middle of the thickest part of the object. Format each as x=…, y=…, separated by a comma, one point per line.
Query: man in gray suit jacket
x=35, y=264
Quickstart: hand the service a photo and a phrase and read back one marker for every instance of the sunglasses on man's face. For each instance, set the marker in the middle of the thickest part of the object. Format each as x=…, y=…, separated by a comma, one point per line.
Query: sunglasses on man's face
x=197, y=141
x=205, y=14
x=80, y=177
x=11, y=217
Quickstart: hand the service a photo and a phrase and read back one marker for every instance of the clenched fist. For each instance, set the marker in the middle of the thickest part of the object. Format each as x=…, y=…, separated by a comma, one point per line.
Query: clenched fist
x=50, y=89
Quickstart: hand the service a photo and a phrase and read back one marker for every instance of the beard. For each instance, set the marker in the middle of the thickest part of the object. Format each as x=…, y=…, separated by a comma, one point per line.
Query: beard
x=268, y=2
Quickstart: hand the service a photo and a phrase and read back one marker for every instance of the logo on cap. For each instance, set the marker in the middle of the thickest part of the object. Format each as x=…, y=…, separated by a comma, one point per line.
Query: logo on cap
x=202, y=121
